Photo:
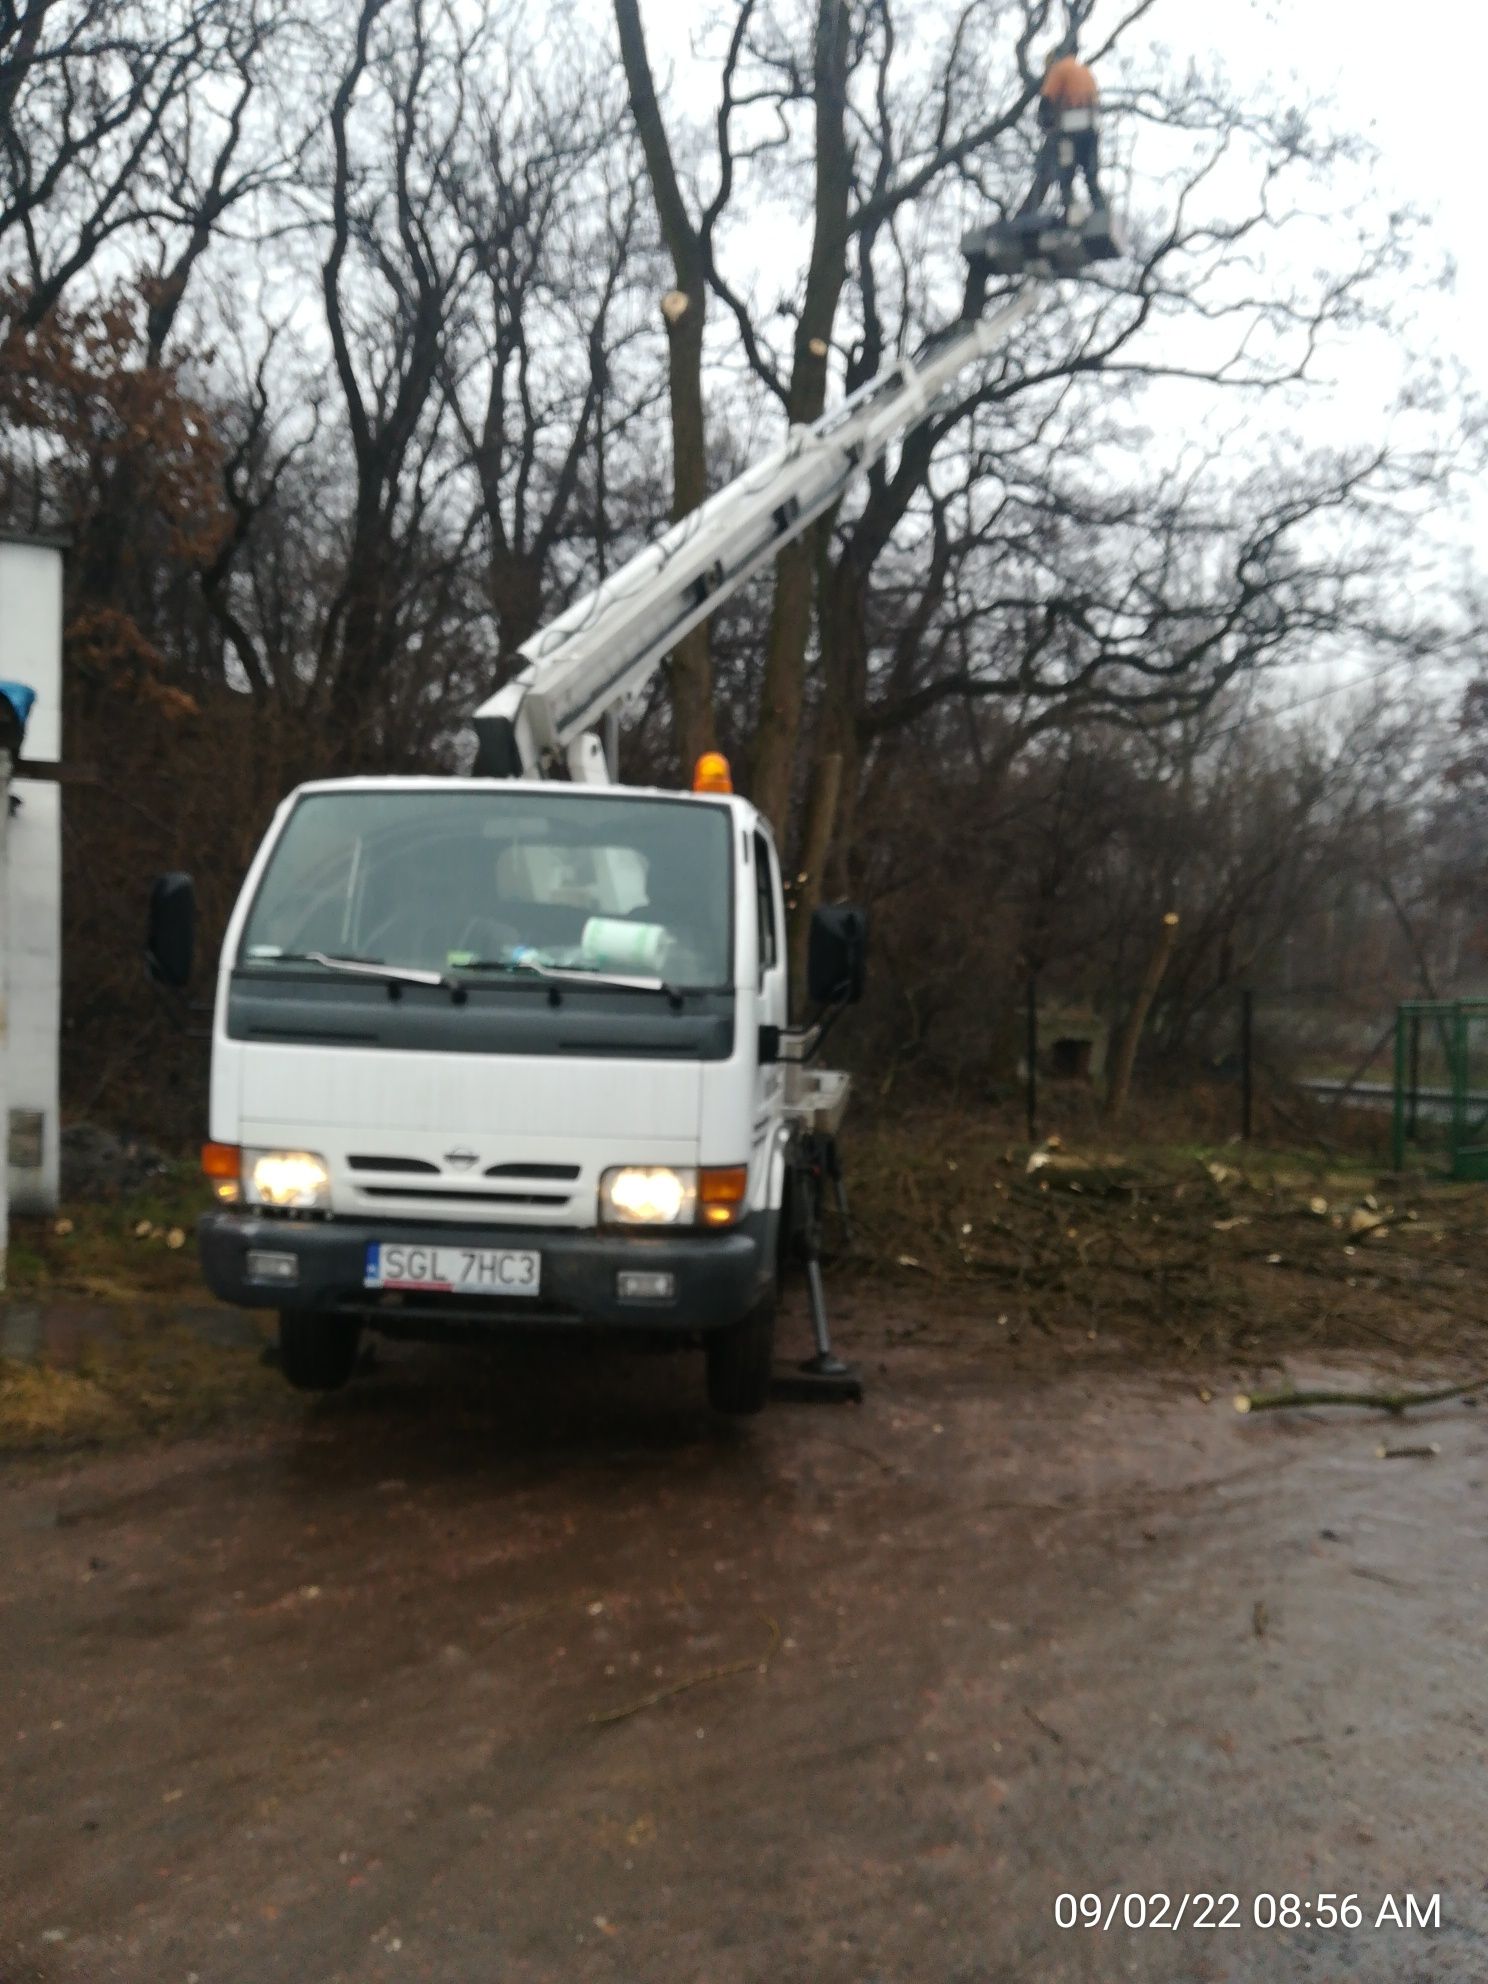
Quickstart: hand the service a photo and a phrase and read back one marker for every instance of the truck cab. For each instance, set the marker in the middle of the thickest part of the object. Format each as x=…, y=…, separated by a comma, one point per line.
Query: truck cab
x=493, y=1050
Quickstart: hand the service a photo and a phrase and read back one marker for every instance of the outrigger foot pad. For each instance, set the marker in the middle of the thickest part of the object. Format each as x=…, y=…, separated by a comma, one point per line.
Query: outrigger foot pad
x=823, y=1379
x=820, y=1381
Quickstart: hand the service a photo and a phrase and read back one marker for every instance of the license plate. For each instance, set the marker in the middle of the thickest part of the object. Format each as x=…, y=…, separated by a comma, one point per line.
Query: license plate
x=453, y=1270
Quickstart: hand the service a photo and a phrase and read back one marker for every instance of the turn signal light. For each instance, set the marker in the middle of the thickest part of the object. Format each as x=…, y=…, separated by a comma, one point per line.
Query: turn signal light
x=721, y=1193
x=711, y=773
x=222, y=1164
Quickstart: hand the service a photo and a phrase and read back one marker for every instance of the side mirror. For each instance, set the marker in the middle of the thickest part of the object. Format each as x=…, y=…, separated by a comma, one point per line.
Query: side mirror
x=171, y=942
x=837, y=955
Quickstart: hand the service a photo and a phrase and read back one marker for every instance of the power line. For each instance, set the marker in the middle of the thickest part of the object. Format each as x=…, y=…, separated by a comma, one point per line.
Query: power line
x=1317, y=696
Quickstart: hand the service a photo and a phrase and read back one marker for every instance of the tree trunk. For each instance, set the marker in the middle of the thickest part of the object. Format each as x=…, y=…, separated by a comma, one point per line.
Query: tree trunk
x=516, y=590
x=351, y=680
x=685, y=309
x=691, y=665
x=1124, y=1052
x=842, y=618
x=816, y=840
x=781, y=697
x=783, y=693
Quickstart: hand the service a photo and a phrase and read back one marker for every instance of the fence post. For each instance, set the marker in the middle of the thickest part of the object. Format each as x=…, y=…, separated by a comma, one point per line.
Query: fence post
x=1247, y=1062
x=1413, y=1120
x=1030, y=1051
x=1397, y=1122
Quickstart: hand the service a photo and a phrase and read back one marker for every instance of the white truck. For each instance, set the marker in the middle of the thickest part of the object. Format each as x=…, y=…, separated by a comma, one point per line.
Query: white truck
x=516, y=1047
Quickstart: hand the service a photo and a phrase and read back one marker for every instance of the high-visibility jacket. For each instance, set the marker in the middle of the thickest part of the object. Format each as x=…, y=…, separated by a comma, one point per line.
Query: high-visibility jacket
x=1069, y=85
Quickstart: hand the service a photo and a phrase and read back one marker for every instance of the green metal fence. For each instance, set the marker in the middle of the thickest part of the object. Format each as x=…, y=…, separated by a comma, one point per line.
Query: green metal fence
x=1441, y=1084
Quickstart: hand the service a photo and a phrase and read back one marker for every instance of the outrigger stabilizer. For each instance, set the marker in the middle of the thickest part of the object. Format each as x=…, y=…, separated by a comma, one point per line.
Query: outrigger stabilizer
x=823, y=1379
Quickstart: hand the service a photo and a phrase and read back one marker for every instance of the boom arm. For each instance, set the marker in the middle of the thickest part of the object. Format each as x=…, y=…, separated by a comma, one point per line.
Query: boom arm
x=588, y=663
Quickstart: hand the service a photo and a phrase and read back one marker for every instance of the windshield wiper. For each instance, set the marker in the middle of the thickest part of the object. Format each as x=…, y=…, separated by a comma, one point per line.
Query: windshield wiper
x=390, y=974
x=565, y=975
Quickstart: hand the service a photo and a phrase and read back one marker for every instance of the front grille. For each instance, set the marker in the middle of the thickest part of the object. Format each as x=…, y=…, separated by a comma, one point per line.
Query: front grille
x=566, y=1172
x=448, y=1195
x=557, y=1174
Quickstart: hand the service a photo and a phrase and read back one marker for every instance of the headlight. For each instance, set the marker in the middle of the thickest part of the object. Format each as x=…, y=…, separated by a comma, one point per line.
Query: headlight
x=289, y=1178
x=647, y=1195
x=668, y=1195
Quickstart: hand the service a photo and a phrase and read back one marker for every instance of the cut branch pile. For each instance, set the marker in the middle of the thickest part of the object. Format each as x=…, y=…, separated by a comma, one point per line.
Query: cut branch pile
x=1205, y=1255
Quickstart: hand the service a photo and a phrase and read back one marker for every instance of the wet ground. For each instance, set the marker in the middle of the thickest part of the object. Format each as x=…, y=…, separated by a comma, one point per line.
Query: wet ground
x=481, y=1673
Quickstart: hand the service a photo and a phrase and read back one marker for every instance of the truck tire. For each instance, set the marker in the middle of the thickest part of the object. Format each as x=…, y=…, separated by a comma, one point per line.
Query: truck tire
x=317, y=1353
x=739, y=1360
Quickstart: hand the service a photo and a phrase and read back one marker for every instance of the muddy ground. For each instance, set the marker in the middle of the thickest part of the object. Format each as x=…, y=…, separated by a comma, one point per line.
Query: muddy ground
x=524, y=1668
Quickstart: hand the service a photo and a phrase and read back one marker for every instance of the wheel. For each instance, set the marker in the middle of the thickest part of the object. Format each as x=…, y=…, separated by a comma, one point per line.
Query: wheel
x=317, y=1353
x=739, y=1360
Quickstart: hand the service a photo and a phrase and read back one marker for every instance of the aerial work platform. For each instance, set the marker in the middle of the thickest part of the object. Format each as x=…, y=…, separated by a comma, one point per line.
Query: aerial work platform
x=1046, y=244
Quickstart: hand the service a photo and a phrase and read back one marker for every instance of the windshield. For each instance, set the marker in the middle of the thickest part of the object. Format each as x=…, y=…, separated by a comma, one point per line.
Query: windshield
x=441, y=880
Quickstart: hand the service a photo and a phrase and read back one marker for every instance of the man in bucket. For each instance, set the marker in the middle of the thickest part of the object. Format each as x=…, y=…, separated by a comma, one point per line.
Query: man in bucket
x=1069, y=117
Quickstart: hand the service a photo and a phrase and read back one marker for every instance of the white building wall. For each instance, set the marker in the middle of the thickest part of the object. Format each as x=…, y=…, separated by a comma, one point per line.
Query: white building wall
x=31, y=652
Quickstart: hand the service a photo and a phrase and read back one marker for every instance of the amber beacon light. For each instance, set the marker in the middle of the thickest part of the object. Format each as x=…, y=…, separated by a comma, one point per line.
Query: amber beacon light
x=711, y=773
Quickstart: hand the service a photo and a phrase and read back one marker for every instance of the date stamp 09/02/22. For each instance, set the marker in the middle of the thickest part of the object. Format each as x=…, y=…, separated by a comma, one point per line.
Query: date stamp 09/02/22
x=1200, y=1911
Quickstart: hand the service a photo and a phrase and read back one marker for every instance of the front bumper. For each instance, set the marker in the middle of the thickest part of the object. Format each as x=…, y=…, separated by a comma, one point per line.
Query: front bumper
x=719, y=1277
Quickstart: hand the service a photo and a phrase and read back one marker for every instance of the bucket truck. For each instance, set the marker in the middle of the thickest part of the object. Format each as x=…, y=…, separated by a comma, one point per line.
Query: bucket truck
x=516, y=1047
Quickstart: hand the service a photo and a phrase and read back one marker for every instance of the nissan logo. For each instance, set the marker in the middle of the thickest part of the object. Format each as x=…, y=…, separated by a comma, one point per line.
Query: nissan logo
x=461, y=1160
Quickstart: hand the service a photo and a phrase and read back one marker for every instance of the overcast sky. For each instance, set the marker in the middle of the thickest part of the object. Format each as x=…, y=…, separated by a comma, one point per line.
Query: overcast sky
x=1386, y=68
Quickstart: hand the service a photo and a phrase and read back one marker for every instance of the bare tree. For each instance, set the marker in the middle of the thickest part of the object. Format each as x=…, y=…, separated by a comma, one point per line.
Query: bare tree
x=389, y=283
x=108, y=135
x=548, y=199
x=689, y=242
